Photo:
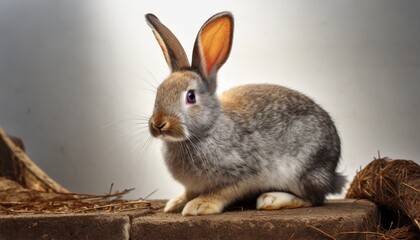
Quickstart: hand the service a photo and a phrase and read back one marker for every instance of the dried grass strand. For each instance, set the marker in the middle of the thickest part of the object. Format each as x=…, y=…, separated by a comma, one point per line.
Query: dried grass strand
x=75, y=203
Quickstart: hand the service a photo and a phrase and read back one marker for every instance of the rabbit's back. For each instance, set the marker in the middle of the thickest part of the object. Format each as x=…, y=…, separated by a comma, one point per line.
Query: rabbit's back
x=289, y=132
x=281, y=116
x=268, y=107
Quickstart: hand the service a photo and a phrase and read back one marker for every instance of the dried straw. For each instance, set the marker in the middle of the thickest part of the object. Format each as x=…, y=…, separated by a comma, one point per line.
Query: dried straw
x=393, y=185
x=60, y=203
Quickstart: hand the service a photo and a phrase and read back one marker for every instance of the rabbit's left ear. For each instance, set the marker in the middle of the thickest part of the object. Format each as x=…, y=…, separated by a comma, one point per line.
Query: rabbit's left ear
x=172, y=50
x=212, y=47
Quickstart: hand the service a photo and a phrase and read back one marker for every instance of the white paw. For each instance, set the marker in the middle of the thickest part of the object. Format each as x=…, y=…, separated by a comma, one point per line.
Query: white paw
x=202, y=206
x=175, y=204
x=279, y=200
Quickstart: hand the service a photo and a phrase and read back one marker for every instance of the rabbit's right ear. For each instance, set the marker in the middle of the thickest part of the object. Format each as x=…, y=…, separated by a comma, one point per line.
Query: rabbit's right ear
x=212, y=47
x=172, y=50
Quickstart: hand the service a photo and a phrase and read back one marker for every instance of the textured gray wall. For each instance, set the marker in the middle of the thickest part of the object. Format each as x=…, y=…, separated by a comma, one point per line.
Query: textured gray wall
x=77, y=78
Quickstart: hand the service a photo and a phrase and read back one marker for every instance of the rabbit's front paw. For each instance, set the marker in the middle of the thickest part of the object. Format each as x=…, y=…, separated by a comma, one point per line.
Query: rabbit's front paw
x=175, y=203
x=280, y=200
x=202, y=206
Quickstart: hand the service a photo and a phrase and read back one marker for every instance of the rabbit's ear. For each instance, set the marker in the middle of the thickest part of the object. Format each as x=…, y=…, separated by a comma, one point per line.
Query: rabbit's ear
x=172, y=50
x=212, y=46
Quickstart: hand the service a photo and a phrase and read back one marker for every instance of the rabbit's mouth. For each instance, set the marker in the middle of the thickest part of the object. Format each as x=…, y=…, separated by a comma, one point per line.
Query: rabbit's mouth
x=167, y=128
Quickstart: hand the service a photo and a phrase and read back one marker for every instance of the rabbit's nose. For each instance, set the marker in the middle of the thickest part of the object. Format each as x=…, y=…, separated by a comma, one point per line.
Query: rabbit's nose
x=160, y=126
x=157, y=128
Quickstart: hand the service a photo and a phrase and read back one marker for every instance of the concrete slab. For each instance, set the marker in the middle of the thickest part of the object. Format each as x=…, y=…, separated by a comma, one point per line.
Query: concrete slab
x=332, y=221
x=90, y=226
x=327, y=222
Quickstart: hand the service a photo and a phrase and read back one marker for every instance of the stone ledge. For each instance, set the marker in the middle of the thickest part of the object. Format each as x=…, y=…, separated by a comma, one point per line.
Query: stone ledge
x=335, y=218
x=65, y=227
x=68, y=226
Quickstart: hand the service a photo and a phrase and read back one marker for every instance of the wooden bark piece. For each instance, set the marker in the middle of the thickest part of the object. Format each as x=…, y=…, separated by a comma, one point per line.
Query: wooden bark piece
x=17, y=166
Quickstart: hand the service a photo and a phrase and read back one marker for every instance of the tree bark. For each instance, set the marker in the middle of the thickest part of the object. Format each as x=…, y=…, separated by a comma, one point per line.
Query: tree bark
x=17, y=166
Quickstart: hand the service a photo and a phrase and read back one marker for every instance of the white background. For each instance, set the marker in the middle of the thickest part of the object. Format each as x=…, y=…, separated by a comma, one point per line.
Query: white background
x=77, y=78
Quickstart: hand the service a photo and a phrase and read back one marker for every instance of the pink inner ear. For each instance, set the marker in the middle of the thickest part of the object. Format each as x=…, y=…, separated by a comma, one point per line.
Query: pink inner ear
x=215, y=40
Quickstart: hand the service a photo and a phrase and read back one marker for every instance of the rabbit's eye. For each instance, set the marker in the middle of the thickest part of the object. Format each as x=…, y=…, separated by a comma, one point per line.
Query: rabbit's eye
x=191, y=97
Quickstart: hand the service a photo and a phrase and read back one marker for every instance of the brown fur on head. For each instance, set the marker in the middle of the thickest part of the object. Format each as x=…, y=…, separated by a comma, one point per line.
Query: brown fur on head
x=168, y=121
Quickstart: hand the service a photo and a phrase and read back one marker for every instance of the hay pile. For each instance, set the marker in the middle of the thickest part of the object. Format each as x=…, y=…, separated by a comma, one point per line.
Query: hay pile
x=25, y=188
x=14, y=199
x=395, y=186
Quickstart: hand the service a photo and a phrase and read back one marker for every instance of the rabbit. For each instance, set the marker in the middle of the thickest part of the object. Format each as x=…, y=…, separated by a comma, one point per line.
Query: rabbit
x=260, y=140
